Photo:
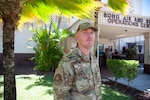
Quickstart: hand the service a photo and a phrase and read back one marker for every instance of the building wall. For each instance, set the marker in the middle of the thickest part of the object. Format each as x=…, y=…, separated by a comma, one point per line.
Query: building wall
x=21, y=40
x=22, y=37
x=147, y=53
x=106, y=43
x=23, y=53
x=23, y=43
x=135, y=7
x=69, y=43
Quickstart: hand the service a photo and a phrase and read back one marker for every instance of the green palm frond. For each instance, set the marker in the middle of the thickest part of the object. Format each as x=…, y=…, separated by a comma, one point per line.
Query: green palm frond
x=118, y=5
x=43, y=9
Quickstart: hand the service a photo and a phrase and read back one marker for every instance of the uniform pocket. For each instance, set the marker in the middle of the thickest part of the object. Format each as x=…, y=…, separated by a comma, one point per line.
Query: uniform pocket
x=82, y=79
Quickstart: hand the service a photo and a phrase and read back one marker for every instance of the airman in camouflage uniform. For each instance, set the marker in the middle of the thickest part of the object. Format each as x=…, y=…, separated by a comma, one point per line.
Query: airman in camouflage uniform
x=78, y=76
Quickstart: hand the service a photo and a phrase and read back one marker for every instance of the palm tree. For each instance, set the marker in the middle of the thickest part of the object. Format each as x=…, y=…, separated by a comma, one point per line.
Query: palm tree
x=9, y=13
x=16, y=12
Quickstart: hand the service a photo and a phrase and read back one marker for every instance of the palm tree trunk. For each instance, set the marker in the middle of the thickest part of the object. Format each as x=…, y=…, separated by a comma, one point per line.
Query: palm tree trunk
x=10, y=16
x=8, y=59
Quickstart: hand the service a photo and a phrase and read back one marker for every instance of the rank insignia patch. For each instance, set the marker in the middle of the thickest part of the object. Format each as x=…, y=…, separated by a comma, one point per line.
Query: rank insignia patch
x=58, y=79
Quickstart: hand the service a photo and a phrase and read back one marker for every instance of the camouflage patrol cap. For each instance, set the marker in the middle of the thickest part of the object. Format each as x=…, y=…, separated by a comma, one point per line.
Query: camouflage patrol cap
x=86, y=25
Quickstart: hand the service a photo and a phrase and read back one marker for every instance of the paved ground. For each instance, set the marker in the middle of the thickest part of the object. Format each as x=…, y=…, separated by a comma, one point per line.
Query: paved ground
x=141, y=82
x=139, y=87
x=105, y=72
x=25, y=70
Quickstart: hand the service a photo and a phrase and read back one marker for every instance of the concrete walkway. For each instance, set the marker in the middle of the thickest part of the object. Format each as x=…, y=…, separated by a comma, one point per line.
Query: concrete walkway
x=141, y=82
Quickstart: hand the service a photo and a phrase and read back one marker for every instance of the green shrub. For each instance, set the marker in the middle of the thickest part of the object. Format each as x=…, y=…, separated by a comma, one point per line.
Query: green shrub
x=48, y=50
x=123, y=68
x=132, y=70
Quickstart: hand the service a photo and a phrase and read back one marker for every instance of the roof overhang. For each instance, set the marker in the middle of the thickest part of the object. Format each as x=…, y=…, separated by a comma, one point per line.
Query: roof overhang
x=114, y=26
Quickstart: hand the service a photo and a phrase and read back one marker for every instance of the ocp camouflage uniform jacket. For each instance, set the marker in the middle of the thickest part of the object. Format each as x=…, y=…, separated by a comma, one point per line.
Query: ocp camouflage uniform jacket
x=77, y=78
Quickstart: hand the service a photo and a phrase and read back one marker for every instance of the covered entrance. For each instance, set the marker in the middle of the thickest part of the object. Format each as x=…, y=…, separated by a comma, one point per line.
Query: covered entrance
x=116, y=31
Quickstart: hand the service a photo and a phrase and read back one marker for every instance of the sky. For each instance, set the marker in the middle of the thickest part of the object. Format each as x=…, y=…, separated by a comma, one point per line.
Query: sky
x=146, y=7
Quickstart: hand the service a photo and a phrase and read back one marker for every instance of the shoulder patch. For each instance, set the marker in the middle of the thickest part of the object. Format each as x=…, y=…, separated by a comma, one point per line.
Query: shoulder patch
x=57, y=79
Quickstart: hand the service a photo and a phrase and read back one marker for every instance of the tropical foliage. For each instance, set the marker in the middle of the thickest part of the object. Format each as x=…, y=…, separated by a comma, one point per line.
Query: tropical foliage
x=43, y=9
x=123, y=68
x=48, y=50
x=118, y=6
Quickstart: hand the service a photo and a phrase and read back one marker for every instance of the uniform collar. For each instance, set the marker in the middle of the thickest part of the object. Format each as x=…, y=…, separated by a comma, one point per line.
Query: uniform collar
x=84, y=57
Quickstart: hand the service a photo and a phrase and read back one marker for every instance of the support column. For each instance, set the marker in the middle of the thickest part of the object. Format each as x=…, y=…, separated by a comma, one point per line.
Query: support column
x=147, y=53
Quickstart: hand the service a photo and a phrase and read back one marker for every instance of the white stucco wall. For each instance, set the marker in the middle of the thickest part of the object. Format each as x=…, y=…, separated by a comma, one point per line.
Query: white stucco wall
x=106, y=43
x=135, y=7
x=21, y=40
x=147, y=48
